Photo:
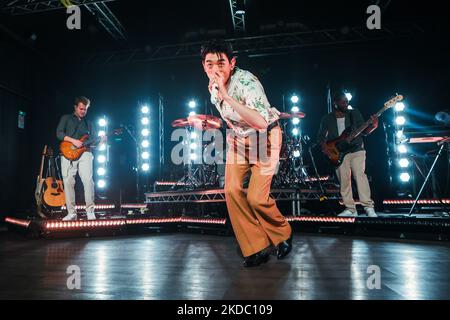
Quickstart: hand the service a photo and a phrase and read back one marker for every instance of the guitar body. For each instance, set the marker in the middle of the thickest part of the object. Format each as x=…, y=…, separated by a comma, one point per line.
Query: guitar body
x=338, y=148
x=70, y=152
x=54, y=193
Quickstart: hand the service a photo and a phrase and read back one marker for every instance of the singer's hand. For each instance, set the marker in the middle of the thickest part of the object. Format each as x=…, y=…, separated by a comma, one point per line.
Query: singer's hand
x=220, y=81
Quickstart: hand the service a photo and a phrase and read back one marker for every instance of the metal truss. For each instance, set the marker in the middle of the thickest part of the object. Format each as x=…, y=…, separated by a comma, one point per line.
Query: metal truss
x=20, y=7
x=107, y=19
x=238, y=15
x=97, y=8
x=218, y=195
x=261, y=45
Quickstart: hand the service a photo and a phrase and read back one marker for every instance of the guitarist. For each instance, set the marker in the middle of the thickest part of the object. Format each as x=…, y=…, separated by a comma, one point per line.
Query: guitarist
x=71, y=128
x=331, y=127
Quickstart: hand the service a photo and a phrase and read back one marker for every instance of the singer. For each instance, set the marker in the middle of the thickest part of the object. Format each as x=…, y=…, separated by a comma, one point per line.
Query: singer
x=242, y=103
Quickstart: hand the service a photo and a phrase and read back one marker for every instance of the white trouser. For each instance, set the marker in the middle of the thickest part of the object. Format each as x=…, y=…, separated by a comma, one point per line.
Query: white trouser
x=354, y=164
x=69, y=170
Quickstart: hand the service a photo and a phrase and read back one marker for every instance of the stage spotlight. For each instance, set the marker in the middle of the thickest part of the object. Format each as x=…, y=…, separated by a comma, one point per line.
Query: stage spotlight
x=145, y=109
x=101, y=171
x=145, y=167
x=350, y=107
x=101, y=183
x=399, y=107
x=404, y=163
x=102, y=147
x=192, y=113
x=102, y=122
x=349, y=96
x=295, y=120
x=145, y=121
x=145, y=155
x=400, y=120
x=402, y=148
x=145, y=144
x=295, y=109
x=101, y=159
x=193, y=135
x=101, y=133
x=294, y=99
x=192, y=104
x=405, y=177
x=193, y=146
x=295, y=131
x=296, y=153
x=145, y=132
x=443, y=117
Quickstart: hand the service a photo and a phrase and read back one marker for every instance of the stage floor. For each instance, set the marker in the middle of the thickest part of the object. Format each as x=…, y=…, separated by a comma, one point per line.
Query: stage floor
x=194, y=266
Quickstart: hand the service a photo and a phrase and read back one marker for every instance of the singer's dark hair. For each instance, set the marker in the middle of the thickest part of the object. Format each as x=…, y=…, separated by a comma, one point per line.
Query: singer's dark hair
x=217, y=46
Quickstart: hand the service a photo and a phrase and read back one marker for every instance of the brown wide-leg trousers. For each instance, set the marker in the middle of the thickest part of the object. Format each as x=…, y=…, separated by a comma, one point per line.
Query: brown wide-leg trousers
x=256, y=220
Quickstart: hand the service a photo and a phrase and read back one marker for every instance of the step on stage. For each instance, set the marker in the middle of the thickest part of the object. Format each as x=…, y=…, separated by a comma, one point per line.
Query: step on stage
x=204, y=211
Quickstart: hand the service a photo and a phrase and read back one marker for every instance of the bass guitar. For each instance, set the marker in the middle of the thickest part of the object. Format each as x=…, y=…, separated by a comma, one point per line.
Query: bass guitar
x=336, y=149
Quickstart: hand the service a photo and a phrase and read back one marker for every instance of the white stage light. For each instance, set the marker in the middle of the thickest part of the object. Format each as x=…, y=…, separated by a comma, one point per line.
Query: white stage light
x=400, y=120
x=399, y=107
x=145, y=144
x=405, y=177
x=102, y=122
x=101, y=159
x=145, y=109
x=101, y=183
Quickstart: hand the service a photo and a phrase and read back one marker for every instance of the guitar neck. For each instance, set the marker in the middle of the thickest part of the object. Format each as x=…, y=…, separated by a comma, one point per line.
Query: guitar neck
x=357, y=132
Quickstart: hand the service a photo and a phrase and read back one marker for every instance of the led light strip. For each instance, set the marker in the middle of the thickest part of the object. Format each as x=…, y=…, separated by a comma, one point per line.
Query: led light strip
x=423, y=201
x=134, y=205
x=19, y=222
x=97, y=206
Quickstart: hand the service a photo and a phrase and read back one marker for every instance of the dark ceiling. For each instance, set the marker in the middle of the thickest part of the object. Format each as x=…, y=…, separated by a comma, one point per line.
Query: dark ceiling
x=157, y=22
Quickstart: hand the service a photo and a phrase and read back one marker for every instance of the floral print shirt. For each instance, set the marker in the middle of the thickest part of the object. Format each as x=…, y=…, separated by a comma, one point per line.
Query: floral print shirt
x=246, y=89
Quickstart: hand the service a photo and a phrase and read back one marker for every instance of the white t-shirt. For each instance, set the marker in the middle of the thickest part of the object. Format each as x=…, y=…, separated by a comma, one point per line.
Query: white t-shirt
x=340, y=125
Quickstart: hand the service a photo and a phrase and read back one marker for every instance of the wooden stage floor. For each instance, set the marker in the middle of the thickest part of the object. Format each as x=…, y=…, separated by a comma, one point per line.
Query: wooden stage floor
x=194, y=266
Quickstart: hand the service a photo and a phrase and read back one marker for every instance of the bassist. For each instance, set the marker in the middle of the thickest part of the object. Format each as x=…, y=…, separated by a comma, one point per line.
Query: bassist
x=353, y=164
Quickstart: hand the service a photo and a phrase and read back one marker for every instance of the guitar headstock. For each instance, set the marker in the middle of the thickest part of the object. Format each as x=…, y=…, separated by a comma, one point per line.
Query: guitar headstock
x=393, y=101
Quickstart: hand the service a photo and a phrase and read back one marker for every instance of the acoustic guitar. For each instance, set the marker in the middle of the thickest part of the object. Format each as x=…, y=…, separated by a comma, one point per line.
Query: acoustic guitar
x=72, y=153
x=53, y=188
x=336, y=149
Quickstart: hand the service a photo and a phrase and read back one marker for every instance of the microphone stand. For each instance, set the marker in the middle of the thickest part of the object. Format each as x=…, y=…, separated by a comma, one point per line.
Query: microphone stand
x=428, y=176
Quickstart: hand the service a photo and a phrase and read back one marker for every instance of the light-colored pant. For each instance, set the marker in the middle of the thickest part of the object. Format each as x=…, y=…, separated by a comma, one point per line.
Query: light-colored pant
x=84, y=168
x=354, y=164
x=256, y=220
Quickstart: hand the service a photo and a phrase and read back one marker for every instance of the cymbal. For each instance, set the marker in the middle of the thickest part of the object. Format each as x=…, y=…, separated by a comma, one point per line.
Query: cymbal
x=204, y=121
x=286, y=115
x=180, y=123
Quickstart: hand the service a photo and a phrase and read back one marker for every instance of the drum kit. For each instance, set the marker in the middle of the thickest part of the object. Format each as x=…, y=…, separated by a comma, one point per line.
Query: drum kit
x=291, y=171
